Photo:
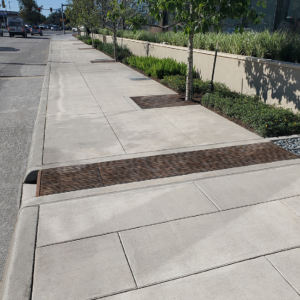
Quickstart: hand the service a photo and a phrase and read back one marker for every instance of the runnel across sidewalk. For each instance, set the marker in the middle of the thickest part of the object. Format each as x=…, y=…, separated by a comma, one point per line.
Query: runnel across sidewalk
x=79, y=177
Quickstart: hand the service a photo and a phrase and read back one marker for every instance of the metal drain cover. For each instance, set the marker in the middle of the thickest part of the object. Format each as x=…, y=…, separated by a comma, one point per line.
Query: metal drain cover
x=139, y=78
x=102, y=61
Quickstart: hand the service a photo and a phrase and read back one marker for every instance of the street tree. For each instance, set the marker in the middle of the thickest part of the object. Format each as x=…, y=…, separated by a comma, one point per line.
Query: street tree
x=196, y=16
x=55, y=18
x=84, y=12
x=122, y=14
x=29, y=12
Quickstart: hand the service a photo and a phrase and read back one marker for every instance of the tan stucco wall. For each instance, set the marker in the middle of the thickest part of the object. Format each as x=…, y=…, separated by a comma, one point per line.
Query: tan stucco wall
x=276, y=82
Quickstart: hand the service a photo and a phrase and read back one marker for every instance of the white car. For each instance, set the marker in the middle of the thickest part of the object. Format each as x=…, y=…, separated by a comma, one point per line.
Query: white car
x=74, y=29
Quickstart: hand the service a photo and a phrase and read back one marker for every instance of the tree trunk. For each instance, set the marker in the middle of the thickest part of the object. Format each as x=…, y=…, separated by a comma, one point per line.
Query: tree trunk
x=165, y=20
x=189, y=74
x=282, y=8
x=115, y=41
x=92, y=35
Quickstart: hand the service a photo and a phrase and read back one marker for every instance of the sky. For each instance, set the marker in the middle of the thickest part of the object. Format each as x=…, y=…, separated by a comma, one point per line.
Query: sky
x=14, y=5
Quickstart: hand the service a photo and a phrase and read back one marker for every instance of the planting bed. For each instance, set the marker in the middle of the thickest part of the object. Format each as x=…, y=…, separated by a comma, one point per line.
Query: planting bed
x=66, y=179
x=147, y=102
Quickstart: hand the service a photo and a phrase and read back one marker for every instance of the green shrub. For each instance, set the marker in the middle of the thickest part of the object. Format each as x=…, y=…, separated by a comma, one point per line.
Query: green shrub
x=178, y=83
x=122, y=51
x=158, y=67
x=266, y=120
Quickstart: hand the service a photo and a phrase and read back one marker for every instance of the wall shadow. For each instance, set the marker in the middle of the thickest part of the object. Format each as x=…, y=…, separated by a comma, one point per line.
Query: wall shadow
x=275, y=82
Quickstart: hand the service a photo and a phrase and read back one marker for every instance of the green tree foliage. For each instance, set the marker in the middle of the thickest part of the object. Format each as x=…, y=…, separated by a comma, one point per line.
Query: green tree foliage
x=54, y=18
x=84, y=12
x=199, y=16
x=29, y=16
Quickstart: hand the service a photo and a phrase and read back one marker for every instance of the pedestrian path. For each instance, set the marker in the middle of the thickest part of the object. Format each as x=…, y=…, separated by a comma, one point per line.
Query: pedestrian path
x=104, y=227
x=89, y=108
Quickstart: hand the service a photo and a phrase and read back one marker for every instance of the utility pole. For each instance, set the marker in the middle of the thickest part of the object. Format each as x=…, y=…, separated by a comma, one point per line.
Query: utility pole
x=62, y=17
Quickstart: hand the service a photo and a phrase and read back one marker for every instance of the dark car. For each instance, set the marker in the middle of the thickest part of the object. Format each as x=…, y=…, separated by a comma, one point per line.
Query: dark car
x=28, y=28
x=35, y=29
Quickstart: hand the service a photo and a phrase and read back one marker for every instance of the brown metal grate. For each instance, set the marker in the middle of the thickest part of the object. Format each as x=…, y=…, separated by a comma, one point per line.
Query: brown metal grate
x=67, y=179
x=160, y=101
x=60, y=180
x=103, y=61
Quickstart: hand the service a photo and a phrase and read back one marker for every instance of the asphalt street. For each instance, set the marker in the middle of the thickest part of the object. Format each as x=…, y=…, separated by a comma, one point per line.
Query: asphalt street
x=22, y=67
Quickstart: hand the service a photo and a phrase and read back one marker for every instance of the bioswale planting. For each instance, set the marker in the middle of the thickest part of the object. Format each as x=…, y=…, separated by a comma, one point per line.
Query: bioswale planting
x=264, y=119
x=279, y=45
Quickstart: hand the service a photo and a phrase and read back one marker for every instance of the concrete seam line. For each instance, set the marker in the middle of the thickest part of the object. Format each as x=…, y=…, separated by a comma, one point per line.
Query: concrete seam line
x=34, y=253
x=289, y=283
x=17, y=276
x=37, y=140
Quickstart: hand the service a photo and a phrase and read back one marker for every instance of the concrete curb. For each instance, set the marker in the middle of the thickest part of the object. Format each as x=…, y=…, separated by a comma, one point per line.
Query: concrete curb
x=18, y=271
x=35, y=159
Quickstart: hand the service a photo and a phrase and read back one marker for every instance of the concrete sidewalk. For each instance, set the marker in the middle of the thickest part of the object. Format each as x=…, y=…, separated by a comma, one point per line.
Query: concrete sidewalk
x=225, y=234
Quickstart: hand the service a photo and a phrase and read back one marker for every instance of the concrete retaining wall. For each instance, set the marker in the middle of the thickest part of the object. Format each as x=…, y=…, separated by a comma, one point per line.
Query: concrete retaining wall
x=276, y=82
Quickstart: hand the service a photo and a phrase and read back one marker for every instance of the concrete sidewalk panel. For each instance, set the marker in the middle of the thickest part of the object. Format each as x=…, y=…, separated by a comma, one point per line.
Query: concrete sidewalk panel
x=251, y=188
x=293, y=203
x=288, y=264
x=64, y=104
x=251, y=280
x=150, y=89
x=178, y=248
x=79, y=137
x=83, y=269
x=116, y=108
x=70, y=220
x=204, y=127
x=17, y=276
x=142, y=131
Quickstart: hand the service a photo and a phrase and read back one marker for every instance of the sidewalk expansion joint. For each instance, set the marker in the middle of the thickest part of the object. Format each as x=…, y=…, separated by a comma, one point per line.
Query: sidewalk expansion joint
x=154, y=223
x=206, y=270
x=282, y=276
x=80, y=177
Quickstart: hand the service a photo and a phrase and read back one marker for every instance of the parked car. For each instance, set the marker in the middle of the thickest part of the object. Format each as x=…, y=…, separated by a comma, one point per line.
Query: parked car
x=16, y=26
x=55, y=28
x=42, y=27
x=28, y=28
x=35, y=29
x=74, y=29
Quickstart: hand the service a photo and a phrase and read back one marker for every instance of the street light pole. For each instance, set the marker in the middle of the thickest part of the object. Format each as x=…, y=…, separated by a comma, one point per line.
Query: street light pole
x=62, y=17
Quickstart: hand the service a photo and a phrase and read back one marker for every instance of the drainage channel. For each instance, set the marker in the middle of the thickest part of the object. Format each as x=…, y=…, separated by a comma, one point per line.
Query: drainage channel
x=79, y=177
